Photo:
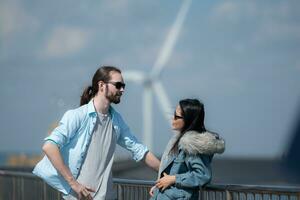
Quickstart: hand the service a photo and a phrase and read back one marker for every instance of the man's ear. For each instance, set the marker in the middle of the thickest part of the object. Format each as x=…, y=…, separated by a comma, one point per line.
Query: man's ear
x=101, y=85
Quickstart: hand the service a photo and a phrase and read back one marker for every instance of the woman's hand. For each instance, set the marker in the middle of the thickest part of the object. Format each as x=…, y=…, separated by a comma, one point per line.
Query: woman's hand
x=165, y=181
x=152, y=190
x=82, y=191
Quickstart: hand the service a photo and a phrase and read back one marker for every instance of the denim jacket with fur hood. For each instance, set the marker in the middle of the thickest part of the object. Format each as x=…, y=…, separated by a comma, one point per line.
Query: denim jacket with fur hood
x=191, y=165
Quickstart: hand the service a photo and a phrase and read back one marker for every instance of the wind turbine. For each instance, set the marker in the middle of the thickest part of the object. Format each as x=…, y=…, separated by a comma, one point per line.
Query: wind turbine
x=151, y=81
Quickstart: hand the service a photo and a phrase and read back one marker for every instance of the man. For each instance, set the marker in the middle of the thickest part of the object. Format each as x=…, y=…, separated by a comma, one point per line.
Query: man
x=80, y=151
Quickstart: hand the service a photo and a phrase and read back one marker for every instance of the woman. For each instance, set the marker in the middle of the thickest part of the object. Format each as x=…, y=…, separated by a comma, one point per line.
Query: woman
x=185, y=164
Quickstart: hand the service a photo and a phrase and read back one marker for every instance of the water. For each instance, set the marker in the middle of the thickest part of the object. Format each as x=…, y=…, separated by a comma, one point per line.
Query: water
x=16, y=159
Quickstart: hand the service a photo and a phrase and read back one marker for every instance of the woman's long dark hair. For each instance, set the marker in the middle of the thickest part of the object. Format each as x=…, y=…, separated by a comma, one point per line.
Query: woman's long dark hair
x=102, y=74
x=193, y=116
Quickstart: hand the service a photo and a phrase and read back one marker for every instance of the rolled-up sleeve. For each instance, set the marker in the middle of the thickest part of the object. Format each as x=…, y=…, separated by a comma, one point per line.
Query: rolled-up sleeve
x=67, y=127
x=128, y=141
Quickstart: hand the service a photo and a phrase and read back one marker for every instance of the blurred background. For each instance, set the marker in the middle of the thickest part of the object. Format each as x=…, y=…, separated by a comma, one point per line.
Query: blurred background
x=241, y=58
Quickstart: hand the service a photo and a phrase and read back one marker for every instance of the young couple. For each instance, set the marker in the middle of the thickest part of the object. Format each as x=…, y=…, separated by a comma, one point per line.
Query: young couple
x=80, y=151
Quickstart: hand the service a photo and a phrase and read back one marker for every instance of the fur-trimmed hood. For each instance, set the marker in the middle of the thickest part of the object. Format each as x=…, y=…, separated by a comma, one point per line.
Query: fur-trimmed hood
x=193, y=143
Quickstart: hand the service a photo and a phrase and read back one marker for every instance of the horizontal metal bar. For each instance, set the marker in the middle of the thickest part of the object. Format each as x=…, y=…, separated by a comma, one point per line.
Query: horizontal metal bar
x=133, y=182
x=251, y=188
x=18, y=174
x=230, y=187
x=221, y=187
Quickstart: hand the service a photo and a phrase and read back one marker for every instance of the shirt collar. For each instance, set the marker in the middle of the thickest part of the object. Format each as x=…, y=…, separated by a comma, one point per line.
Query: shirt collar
x=112, y=112
x=92, y=110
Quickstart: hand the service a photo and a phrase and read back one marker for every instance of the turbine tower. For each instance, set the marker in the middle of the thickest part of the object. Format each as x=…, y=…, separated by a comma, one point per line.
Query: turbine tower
x=151, y=81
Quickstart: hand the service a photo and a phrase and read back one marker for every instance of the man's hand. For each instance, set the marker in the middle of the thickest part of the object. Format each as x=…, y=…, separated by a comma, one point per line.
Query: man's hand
x=165, y=181
x=53, y=153
x=82, y=191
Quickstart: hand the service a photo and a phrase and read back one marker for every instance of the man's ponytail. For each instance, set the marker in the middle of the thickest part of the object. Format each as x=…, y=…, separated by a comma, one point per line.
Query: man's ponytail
x=86, y=96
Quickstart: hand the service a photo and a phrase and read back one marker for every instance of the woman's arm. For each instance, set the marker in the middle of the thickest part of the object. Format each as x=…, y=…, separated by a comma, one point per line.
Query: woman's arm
x=198, y=174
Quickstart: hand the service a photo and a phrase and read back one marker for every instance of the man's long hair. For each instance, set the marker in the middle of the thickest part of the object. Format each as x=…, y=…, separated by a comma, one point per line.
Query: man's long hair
x=102, y=74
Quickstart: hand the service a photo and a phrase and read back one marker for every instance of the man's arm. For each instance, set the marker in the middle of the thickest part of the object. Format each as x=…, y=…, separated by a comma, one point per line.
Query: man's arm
x=151, y=160
x=54, y=155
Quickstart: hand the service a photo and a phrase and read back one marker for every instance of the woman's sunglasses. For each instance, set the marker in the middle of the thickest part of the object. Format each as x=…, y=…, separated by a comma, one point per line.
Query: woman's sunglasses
x=118, y=85
x=177, y=116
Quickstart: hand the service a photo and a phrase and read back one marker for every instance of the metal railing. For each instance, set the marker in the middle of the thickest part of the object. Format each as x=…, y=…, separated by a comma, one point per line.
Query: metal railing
x=250, y=192
x=26, y=186
x=132, y=189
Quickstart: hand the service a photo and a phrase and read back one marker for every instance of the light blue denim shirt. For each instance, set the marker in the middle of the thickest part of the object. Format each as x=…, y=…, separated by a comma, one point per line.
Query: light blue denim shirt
x=73, y=136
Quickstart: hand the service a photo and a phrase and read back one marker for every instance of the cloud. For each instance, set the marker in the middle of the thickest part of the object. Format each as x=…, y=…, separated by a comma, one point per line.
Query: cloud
x=116, y=6
x=14, y=18
x=66, y=40
x=273, y=30
x=265, y=22
x=233, y=12
x=276, y=23
x=225, y=10
x=240, y=11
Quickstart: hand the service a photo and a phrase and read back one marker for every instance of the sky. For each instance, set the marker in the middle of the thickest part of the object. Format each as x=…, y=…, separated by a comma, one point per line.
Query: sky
x=240, y=58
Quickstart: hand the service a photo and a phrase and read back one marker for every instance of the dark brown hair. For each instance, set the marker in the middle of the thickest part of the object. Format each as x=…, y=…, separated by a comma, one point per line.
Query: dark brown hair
x=102, y=74
x=193, y=116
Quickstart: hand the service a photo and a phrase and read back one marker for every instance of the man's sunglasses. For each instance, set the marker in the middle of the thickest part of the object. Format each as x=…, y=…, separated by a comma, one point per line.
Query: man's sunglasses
x=177, y=116
x=118, y=85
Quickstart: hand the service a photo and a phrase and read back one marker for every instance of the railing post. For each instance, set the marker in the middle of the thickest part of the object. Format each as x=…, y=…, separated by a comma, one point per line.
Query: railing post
x=201, y=194
x=228, y=195
x=22, y=187
x=45, y=191
x=14, y=188
x=120, y=192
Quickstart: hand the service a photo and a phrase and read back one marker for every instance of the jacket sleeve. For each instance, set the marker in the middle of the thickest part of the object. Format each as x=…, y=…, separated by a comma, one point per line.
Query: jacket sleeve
x=128, y=141
x=198, y=174
x=66, y=129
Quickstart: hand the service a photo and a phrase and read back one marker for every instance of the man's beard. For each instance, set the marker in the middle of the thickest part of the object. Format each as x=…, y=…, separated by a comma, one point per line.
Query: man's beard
x=114, y=98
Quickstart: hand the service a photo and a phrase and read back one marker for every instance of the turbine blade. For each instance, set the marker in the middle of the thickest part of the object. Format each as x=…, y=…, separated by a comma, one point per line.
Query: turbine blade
x=133, y=75
x=163, y=100
x=169, y=44
x=147, y=117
